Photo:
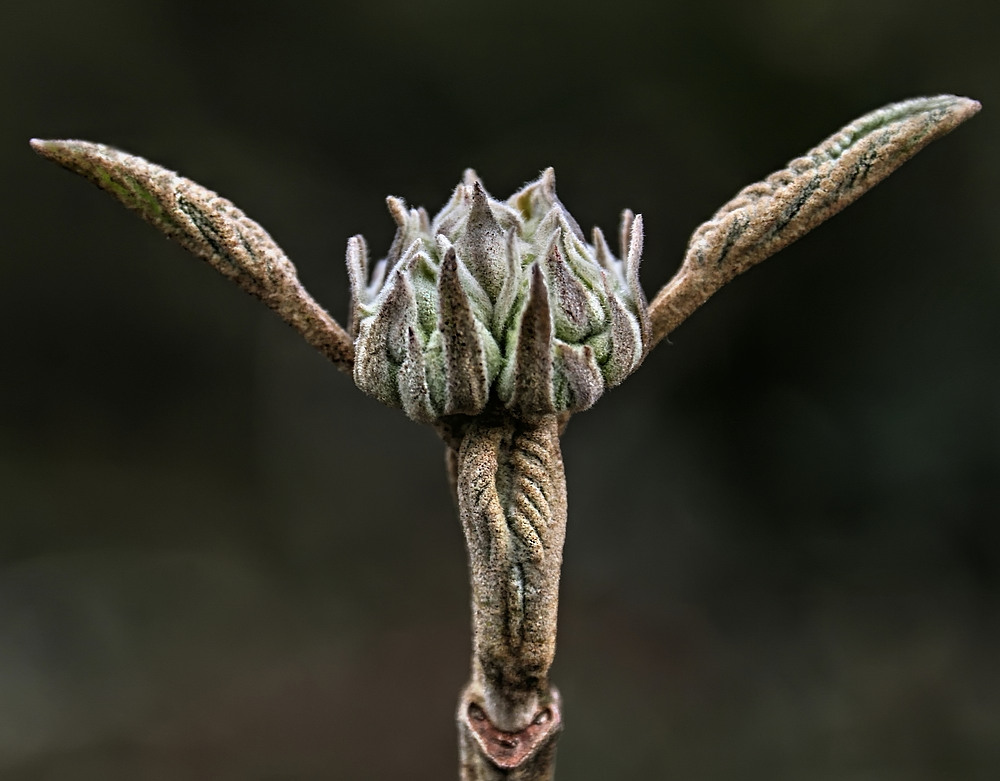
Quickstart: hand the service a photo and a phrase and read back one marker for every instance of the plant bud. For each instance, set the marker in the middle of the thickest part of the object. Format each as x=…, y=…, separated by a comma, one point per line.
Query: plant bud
x=496, y=301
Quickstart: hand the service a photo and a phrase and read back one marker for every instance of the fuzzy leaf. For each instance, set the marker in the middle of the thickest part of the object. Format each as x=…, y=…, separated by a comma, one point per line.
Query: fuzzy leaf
x=768, y=216
x=211, y=228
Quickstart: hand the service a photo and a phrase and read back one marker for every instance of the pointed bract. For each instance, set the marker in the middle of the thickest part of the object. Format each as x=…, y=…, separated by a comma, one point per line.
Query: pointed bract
x=383, y=340
x=601, y=249
x=481, y=245
x=531, y=369
x=626, y=344
x=465, y=361
x=625, y=232
x=357, y=272
x=511, y=285
x=577, y=380
x=413, y=391
x=632, y=262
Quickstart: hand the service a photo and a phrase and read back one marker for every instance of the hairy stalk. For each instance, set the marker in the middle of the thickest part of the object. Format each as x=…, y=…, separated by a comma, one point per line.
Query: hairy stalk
x=511, y=494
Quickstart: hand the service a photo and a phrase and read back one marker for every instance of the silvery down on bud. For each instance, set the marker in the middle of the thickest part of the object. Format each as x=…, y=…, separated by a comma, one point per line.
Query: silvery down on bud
x=494, y=303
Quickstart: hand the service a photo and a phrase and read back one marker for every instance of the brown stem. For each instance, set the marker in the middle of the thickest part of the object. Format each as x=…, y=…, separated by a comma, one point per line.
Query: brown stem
x=512, y=502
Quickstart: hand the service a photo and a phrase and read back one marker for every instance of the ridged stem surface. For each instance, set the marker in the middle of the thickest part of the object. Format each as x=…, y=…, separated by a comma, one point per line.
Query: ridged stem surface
x=511, y=493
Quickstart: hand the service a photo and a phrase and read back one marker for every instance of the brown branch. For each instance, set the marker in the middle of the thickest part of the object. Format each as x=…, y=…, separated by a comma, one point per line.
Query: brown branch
x=211, y=228
x=768, y=216
x=512, y=502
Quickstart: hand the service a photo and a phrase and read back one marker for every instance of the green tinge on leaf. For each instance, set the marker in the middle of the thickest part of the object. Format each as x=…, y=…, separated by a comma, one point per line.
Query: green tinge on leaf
x=211, y=228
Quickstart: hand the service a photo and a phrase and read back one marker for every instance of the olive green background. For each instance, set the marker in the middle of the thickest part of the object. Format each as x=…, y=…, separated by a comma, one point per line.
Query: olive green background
x=218, y=560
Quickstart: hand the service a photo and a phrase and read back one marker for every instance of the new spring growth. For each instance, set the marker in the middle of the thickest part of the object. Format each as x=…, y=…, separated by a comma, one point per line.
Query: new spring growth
x=494, y=322
x=493, y=299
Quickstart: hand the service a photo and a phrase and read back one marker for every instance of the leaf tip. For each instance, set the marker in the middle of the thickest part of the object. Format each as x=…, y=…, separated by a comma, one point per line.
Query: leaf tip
x=968, y=107
x=43, y=146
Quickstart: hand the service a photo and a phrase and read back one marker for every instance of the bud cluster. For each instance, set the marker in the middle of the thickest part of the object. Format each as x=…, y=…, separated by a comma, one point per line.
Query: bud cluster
x=496, y=298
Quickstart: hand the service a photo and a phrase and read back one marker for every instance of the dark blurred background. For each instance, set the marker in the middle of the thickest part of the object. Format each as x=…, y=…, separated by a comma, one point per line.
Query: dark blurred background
x=218, y=560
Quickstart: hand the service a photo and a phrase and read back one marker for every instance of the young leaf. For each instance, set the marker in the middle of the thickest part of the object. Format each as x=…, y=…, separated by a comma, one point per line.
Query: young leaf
x=211, y=228
x=768, y=216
